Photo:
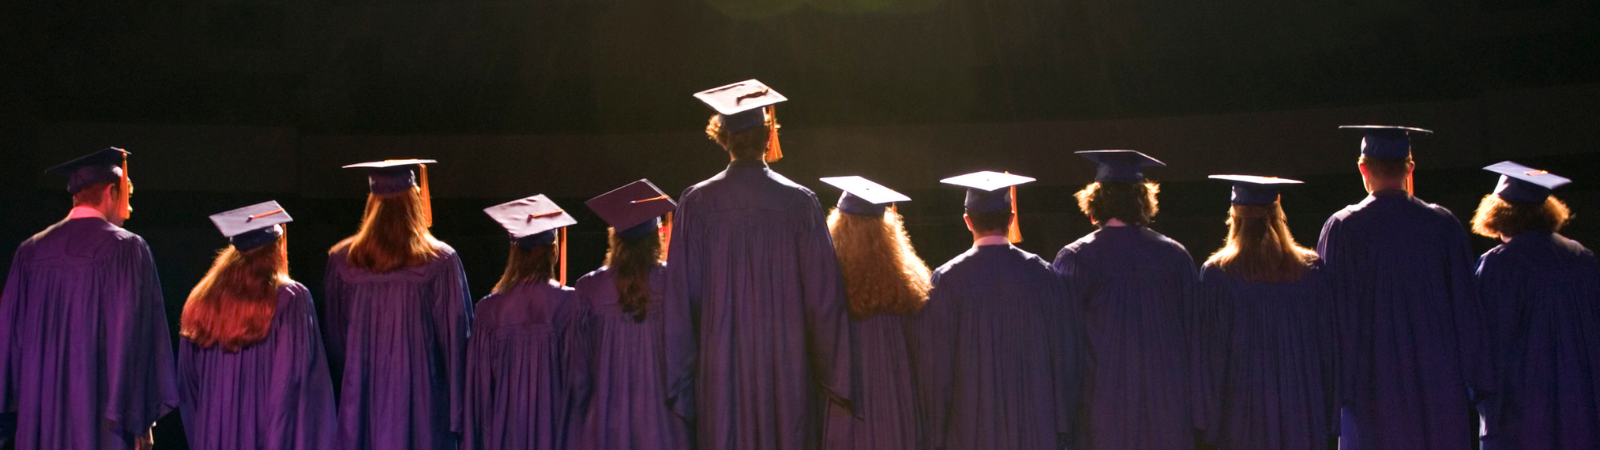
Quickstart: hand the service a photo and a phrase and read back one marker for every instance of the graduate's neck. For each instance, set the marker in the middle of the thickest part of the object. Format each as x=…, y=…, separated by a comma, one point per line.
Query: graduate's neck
x=1375, y=185
x=1113, y=223
x=86, y=212
x=747, y=162
x=990, y=238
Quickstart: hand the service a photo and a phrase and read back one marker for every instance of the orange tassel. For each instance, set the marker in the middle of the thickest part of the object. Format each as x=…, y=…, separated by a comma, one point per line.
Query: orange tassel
x=666, y=235
x=427, y=197
x=563, y=256
x=127, y=190
x=1014, y=234
x=774, y=151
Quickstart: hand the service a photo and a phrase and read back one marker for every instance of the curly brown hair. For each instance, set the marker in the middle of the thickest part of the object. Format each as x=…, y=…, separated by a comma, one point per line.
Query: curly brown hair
x=1496, y=217
x=1131, y=203
x=882, y=273
x=1260, y=248
x=749, y=144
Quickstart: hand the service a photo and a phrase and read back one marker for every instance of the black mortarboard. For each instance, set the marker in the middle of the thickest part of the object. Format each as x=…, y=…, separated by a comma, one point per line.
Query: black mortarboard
x=986, y=191
x=864, y=197
x=633, y=211
x=1386, y=141
x=252, y=226
x=1254, y=190
x=393, y=175
x=531, y=221
x=1120, y=166
x=99, y=167
x=1523, y=184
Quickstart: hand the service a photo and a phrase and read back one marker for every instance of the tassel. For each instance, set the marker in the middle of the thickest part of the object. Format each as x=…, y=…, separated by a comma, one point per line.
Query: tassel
x=127, y=191
x=774, y=151
x=427, y=197
x=666, y=236
x=1014, y=234
x=563, y=233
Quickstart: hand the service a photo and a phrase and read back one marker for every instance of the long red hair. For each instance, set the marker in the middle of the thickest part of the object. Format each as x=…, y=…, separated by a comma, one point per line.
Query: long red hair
x=882, y=273
x=234, y=304
x=394, y=234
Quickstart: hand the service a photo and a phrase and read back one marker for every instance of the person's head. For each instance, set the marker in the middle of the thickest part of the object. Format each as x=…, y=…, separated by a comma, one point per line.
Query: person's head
x=1259, y=247
x=394, y=234
x=993, y=223
x=234, y=304
x=99, y=181
x=750, y=144
x=1130, y=203
x=109, y=198
x=630, y=259
x=528, y=263
x=1501, y=219
x=1384, y=174
x=882, y=273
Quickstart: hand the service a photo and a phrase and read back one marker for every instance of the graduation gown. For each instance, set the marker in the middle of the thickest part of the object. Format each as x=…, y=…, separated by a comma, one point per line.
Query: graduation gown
x=401, y=340
x=274, y=394
x=1410, y=325
x=525, y=369
x=1137, y=291
x=628, y=408
x=1542, y=295
x=1269, y=356
x=753, y=281
x=85, y=357
x=997, y=354
x=886, y=384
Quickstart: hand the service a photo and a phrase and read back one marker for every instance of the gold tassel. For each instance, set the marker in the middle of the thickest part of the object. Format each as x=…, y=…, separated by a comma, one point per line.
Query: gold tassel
x=666, y=236
x=774, y=151
x=127, y=191
x=1014, y=234
x=563, y=233
x=427, y=197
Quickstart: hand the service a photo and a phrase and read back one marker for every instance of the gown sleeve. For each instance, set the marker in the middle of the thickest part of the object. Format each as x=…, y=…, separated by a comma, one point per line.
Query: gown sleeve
x=9, y=352
x=681, y=306
x=141, y=382
x=1469, y=319
x=303, y=414
x=1328, y=349
x=576, y=355
x=832, y=342
x=935, y=374
x=453, y=310
x=1498, y=286
x=1068, y=355
x=479, y=380
x=1213, y=329
x=1331, y=250
x=335, y=324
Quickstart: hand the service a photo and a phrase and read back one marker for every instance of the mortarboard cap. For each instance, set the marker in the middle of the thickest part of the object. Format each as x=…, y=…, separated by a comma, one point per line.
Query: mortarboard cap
x=1254, y=190
x=99, y=167
x=1386, y=141
x=1120, y=166
x=986, y=190
x=863, y=197
x=634, y=210
x=1523, y=184
x=531, y=221
x=741, y=104
x=393, y=175
x=252, y=226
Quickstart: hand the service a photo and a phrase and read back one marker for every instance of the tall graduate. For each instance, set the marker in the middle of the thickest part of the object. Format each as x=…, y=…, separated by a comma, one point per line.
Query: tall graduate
x=1540, y=291
x=628, y=409
x=1267, y=326
x=1410, y=325
x=525, y=363
x=250, y=364
x=1136, y=290
x=85, y=361
x=398, y=313
x=886, y=284
x=753, y=280
x=997, y=350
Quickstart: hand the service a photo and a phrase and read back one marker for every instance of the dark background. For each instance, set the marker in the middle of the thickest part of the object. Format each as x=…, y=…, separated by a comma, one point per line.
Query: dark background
x=228, y=103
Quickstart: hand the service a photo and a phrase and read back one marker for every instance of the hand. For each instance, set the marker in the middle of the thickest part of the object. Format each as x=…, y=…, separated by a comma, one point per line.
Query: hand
x=145, y=441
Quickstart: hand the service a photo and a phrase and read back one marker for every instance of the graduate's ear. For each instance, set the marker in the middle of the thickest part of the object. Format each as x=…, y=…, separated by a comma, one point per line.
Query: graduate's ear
x=968, y=219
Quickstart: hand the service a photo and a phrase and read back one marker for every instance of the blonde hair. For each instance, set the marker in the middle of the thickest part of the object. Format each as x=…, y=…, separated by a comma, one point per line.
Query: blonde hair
x=1259, y=247
x=882, y=273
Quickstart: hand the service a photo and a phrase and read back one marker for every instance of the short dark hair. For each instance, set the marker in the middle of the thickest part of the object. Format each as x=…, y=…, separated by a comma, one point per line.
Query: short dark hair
x=987, y=222
x=1387, y=168
x=96, y=193
x=749, y=144
x=1496, y=217
x=1131, y=203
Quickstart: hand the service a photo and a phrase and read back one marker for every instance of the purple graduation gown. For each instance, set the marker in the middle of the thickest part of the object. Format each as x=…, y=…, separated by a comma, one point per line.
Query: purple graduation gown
x=753, y=280
x=85, y=358
x=526, y=369
x=1542, y=295
x=1269, y=351
x=1137, y=291
x=1410, y=325
x=997, y=354
x=274, y=394
x=401, y=340
x=886, y=383
x=628, y=408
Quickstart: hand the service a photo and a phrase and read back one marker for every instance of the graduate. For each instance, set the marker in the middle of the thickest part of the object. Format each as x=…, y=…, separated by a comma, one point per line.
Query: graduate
x=85, y=358
x=1136, y=289
x=997, y=349
x=1539, y=290
x=1267, y=326
x=525, y=362
x=886, y=284
x=251, y=370
x=1411, y=350
x=753, y=279
x=628, y=408
x=398, y=313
